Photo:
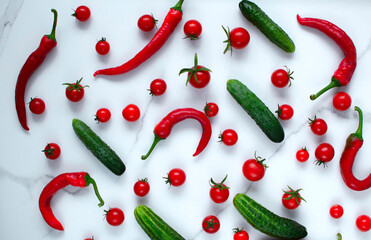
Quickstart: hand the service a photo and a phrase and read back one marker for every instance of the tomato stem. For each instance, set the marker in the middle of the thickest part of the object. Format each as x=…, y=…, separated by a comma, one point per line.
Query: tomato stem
x=155, y=141
x=90, y=180
x=228, y=41
x=334, y=83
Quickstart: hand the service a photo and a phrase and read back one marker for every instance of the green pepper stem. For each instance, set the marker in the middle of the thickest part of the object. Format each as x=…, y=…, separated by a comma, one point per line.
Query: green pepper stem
x=52, y=34
x=90, y=180
x=178, y=6
x=155, y=141
x=339, y=236
x=358, y=133
x=334, y=83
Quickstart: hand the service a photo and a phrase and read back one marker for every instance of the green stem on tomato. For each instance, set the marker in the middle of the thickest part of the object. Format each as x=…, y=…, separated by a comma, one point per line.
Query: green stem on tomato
x=334, y=83
x=155, y=141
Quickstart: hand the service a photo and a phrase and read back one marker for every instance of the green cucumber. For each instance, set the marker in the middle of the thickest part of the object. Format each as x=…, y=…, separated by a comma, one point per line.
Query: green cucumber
x=153, y=225
x=267, y=26
x=258, y=111
x=99, y=148
x=266, y=221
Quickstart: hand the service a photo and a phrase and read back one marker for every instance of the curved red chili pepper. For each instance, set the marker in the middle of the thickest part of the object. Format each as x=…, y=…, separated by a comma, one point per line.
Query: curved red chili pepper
x=345, y=70
x=76, y=179
x=353, y=144
x=172, y=19
x=47, y=43
x=163, y=128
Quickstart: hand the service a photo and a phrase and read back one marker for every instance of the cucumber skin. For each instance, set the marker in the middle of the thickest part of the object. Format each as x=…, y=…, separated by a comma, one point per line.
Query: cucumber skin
x=153, y=225
x=98, y=147
x=258, y=111
x=266, y=25
x=266, y=221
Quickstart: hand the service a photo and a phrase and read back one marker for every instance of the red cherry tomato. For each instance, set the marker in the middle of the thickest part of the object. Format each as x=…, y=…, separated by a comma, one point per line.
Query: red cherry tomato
x=341, y=101
x=324, y=153
x=219, y=192
x=175, y=177
x=52, y=151
x=229, y=137
x=302, y=155
x=82, y=13
x=146, y=23
x=115, y=216
x=211, y=109
x=291, y=199
x=103, y=115
x=318, y=126
x=238, y=38
x=336, y=211
x=141, y=187
x=192, y=29
x=280, y=78
x=92, y=238
x=363, y=223
x=157, y=87
x=285, y=112
x=240, y=234
x=37, y=105
x=211, y=224
x=254, y=169
x=102, y=47
x=75, y=91
x=131, y=113
x=203, y=78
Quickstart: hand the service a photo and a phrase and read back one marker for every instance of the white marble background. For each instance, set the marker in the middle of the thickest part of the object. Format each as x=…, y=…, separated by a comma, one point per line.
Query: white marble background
x=24, y=170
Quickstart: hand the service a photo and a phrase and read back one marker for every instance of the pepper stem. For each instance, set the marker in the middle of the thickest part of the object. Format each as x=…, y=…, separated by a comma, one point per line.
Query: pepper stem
x=358, y=133
x=90, y=180
x=334, y=83
x=339, y=236
x=178, y=6
x=52, y=34
x=155, y=141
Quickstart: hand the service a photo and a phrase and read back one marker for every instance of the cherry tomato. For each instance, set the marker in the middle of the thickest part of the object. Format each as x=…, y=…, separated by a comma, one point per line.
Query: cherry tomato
x=219, y=192
x=211, y=109
x=341, y=101
x=141, y=187
x=229, y=137
x=324, y=153
x=291, y=199
x=75, y=91
x=175, y=177
x=302, y=155
x=146, y=23
x=192, y=29
x=254, y=169
x=363, y=223
x=336, y=211
x=240, y=234
x=131, y=113
x=318, y=126
x=285, y=112
x=82, y=13
x=157, y=87
x=238, y=38
x=37, y=105
x=103, y=115
x=115, y=216
x=52, y=151
x=92, y=238
x=198, y=76
x=211, y=224
x=102, y=46
x=280, y=78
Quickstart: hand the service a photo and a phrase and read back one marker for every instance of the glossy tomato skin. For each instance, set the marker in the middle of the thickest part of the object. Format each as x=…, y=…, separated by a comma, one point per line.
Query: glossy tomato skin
x=115, y=216
x=211, y=109
x=203, y=78
x=324, y=152
x=239, y=38
x=176, y=177
x=219, y=192
x=192, y=29
x=302, y=155
x=102, y=46
x=229, y=137
x=285, y=112
x=342, y=101
x=253, y=170
x=363, y=223
x=291, y=203
x=37, y=105
x=82, y=13
x=146, y=23
x=52, y=151
x=336, y=211
x=240, y=234
x=211, y=224
x=318, y=126
x=157, y=87
x=141, y=187
x=280, y=78
x=131, y=113
x=103, y=115
x=74, y=94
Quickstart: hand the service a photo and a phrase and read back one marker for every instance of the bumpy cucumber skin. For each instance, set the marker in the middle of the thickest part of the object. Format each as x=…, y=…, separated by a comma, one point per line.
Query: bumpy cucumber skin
x=267, y=26
x=99, y=148
x=266, y=221
x=258, y=111
x=153, y=225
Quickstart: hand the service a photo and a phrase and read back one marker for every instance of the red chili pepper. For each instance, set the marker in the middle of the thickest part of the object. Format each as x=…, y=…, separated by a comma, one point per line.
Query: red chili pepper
x=172, y=19
x=345, y=70
x=353, y=144
x=163, y=128
x=76, y=179
x=47, y=43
